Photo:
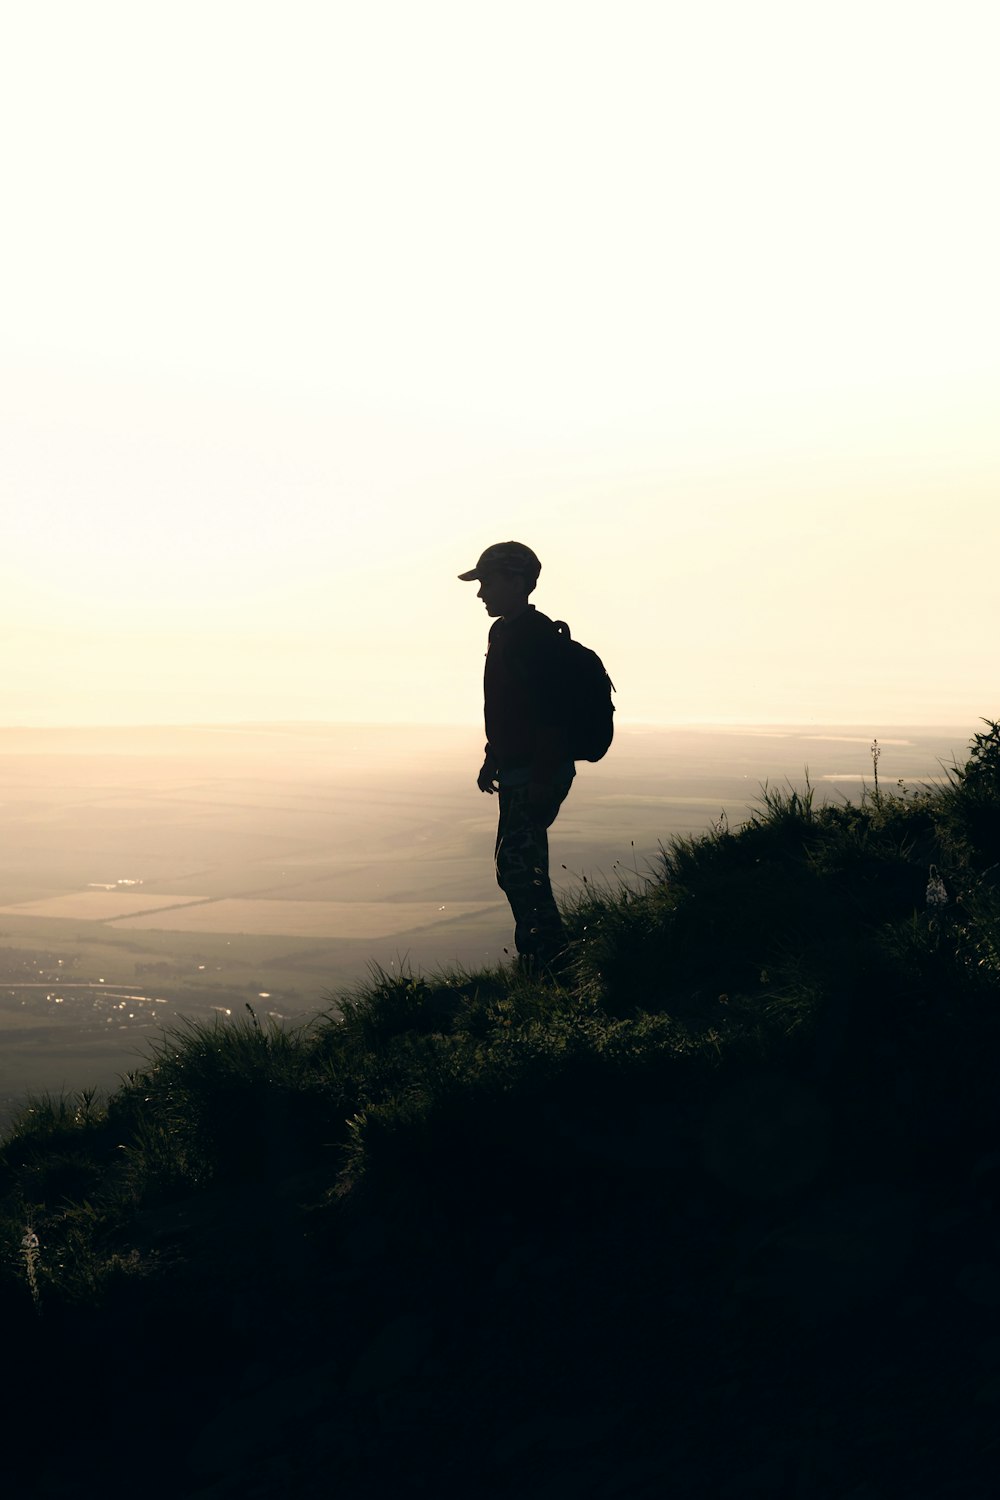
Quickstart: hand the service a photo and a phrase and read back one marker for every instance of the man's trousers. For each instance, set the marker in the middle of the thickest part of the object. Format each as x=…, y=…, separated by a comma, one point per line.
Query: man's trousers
x=522, y=864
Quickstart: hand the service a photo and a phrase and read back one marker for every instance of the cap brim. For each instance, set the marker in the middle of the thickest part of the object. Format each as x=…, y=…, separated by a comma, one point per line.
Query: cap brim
x=468, y=577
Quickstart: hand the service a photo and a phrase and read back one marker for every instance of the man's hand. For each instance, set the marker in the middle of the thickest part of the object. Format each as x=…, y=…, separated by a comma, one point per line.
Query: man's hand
x=488, y=776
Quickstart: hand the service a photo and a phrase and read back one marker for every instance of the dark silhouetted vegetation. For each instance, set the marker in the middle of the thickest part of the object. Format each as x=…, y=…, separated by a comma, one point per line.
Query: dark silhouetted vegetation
x=708, y=1210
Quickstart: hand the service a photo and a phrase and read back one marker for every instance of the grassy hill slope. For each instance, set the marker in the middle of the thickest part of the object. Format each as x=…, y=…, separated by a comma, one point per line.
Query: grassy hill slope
x=712, y=1210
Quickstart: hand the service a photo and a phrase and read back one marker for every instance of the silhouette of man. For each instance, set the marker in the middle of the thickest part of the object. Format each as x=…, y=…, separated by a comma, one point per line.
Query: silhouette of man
x=527, y=758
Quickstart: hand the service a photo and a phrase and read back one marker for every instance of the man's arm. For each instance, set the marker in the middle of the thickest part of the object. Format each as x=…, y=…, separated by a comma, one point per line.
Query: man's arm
x=489, y=774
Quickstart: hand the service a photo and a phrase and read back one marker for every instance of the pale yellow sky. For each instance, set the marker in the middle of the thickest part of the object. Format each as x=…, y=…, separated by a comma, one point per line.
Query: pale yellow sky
x=305, y=304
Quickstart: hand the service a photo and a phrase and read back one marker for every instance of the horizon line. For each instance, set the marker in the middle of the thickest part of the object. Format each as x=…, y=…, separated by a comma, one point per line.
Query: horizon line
x=465, y=726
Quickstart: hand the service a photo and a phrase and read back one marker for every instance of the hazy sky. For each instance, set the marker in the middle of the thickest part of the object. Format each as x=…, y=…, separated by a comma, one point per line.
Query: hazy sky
x=305, y=304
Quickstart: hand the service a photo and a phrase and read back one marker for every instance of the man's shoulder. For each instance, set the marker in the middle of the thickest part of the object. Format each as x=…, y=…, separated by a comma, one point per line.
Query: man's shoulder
x=541, y=621
x=530, y=626
x=534, y=642
x=534, y=623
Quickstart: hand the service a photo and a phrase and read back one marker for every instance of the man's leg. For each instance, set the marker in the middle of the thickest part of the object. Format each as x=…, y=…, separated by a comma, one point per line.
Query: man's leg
x=522, y=864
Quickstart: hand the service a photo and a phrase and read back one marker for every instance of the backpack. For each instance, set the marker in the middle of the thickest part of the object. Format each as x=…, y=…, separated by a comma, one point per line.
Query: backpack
x=588, y=709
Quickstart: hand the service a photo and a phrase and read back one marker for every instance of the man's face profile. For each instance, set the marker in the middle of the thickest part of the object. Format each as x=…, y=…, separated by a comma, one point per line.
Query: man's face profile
x=503, y=593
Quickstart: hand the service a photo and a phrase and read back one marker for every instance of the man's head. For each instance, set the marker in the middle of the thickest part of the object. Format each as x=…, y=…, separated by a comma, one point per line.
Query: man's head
x=507, y=573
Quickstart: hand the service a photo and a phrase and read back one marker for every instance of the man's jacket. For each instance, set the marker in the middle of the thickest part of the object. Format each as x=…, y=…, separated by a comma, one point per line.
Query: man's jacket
x=523, y=695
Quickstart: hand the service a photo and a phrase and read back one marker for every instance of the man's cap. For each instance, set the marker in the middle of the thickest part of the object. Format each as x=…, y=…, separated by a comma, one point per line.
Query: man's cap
x=505, y=557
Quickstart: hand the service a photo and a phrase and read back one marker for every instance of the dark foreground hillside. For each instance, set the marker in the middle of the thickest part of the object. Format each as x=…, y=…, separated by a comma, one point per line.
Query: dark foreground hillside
x=711, y=1211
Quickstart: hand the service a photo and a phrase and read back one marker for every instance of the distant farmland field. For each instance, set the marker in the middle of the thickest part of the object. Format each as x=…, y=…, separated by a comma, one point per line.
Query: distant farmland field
x=93, y=906
x=335, y=919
